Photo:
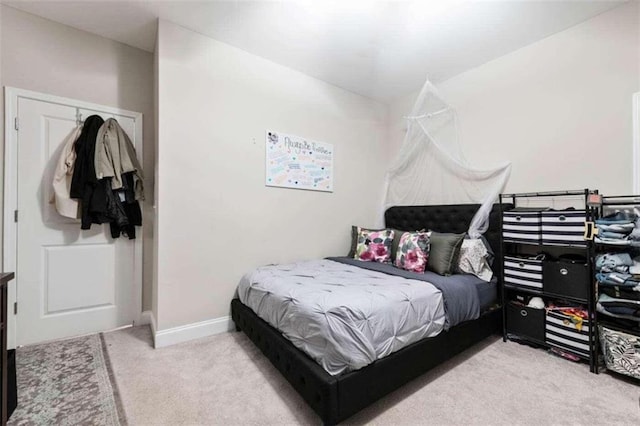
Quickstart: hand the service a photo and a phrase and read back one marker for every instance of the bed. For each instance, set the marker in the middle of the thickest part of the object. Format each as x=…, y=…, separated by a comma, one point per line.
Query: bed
x=337, y=396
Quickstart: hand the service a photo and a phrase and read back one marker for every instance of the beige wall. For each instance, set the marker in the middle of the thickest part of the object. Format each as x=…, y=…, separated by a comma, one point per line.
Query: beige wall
x=216, y=219
x=48, y=57
x=559, y=109
x=156, y=116
x=548, y=108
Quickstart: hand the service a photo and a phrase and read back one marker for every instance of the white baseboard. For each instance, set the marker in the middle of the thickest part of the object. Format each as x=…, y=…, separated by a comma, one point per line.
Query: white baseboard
x=184, y=333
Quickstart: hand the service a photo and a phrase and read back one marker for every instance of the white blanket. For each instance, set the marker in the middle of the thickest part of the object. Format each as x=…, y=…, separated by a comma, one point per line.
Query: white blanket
x=342, y=316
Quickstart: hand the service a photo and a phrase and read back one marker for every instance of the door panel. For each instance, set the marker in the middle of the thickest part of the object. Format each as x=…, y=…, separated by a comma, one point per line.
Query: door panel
x=66, y=269
x=70, y=281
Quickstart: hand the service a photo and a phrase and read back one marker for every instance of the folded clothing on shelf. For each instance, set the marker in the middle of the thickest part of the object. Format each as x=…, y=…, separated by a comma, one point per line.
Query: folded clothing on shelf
x=619, y=308
x=619, y=279
x=618, y=269
x=631, y=293
x=617, y=241
x=611, y=261
x=619, y=228
x=618, y=218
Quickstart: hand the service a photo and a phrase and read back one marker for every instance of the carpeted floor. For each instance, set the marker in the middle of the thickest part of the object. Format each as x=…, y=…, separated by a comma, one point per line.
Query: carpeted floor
x=225, y=380
x=65, y=382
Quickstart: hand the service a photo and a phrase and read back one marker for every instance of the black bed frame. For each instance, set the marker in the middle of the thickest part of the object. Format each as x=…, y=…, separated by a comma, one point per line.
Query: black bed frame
x=335, y=398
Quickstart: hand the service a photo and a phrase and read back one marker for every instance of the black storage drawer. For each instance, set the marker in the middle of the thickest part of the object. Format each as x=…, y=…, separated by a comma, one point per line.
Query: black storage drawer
x=526, y=322
x=566, y=278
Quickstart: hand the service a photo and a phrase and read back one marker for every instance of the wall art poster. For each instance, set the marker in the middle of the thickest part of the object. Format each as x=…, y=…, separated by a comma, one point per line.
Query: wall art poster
x=297, y=162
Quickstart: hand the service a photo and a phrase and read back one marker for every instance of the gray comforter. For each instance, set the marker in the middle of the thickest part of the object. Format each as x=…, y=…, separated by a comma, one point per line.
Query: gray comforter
x=343, y=316
x=461, y=300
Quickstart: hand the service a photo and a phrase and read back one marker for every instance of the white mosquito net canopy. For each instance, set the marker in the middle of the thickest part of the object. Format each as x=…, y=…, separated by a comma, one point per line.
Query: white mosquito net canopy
x=431, y=169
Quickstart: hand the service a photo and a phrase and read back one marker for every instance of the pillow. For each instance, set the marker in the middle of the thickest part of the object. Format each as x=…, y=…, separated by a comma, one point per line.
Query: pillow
x=354, y=240
x=473, y=259
x=413, y=251
x=444, y=253
x=374, y=246
x=397, y=234
x=490, y=253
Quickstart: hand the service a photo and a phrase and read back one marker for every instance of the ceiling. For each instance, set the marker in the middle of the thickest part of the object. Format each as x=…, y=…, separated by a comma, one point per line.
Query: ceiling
x=379, y=49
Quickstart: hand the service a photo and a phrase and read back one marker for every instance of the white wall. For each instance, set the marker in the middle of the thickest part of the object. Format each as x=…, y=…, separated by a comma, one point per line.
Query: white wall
x=216, y=219
x=559, y=109
x=48, y=57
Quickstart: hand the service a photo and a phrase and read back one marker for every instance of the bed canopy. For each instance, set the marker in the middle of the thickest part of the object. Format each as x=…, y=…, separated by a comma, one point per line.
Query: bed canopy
x=430, y=167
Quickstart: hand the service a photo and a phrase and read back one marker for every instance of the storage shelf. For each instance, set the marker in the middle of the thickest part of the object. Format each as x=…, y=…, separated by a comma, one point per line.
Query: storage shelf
x=555, y=278
x=620, y=246
x=526, y=338
x=545, y=345
x=612, y=323
x=546, y=294
x=524, y=290
x=621, y=200
x=571, y=246
x=546, y=194
x=609, y=321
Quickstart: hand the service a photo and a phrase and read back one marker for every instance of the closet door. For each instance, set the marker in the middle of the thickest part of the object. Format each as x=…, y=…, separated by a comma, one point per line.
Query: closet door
x=69, y=281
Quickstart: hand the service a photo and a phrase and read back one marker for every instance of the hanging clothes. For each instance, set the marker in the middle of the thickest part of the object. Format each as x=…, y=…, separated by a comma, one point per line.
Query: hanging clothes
x=126, y=205
x=84, y=184
x=116, y=155
x=64, y=204
x=119, y=171
x=107, y=177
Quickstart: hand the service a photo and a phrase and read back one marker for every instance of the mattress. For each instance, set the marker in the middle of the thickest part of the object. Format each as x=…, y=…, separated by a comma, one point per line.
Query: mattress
x=343, y=316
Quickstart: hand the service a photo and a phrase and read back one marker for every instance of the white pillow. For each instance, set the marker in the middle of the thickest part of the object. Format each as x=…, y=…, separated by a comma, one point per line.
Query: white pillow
x=473, y=259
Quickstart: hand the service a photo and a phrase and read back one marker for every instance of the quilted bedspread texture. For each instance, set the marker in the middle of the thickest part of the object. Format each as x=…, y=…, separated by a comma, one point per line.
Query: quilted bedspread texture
x=343, y=316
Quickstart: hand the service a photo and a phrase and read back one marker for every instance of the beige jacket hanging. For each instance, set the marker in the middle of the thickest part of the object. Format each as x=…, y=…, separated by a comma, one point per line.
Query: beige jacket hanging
x=62, y=176
x=115, y=155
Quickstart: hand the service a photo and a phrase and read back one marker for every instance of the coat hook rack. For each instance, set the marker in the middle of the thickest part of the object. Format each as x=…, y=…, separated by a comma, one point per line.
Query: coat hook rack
x=78, y=117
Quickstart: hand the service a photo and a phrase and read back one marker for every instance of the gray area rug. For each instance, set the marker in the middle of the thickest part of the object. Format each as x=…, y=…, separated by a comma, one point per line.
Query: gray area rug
x=225, y=380
x=65, y=382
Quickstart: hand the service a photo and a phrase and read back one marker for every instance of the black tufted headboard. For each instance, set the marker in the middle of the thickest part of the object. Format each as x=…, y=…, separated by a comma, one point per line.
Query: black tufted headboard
x=446, y=218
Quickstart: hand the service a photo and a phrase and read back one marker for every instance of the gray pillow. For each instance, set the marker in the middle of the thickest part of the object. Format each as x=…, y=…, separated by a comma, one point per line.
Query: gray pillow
x=444, y=253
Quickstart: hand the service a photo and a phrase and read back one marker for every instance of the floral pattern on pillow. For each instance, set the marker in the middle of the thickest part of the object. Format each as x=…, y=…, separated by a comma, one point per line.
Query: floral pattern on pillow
x=473, y=259
x=374, y=246
x=413, y=251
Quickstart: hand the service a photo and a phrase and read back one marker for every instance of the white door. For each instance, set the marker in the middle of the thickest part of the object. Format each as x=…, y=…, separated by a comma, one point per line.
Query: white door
x=69, y=281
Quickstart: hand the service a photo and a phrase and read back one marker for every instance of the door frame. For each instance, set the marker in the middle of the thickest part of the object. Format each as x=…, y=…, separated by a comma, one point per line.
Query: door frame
x=10, y=226
x=636, y=143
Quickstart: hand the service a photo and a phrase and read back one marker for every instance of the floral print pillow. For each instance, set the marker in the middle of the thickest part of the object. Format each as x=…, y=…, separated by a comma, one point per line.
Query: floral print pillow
x=374, y=246
x=473, y=259
x=413, y=251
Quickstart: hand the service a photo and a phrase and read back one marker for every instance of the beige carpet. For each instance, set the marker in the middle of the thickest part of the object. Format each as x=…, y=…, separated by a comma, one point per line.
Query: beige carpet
x=225, y=380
